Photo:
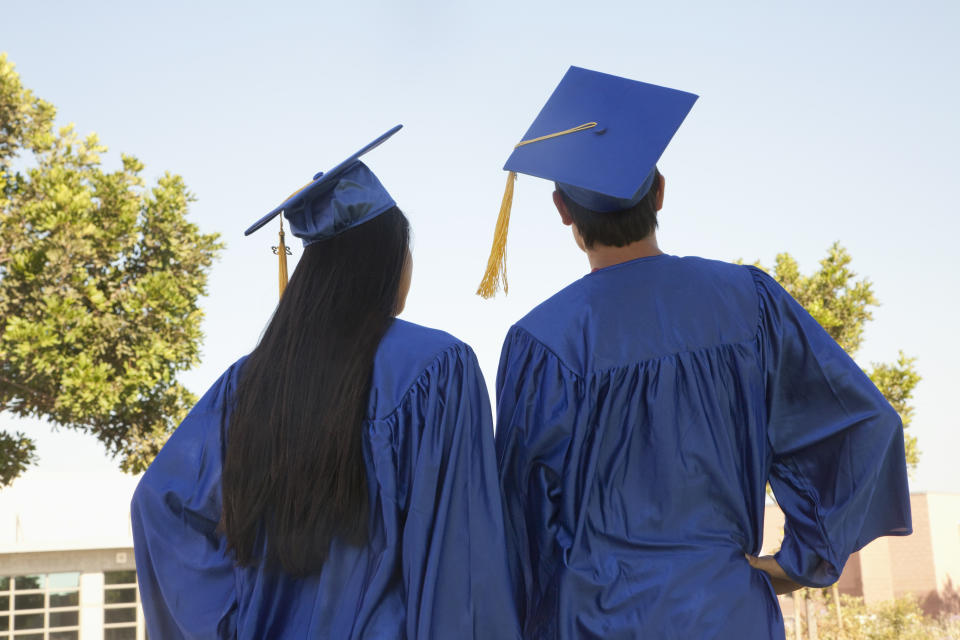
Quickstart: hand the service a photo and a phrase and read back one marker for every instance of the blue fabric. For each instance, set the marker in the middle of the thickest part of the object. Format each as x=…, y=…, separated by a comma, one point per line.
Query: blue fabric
x=607, y=164
x=345, y=196
x=357, y=196
x=435, y=566
x=605, y=204
x=641, y=412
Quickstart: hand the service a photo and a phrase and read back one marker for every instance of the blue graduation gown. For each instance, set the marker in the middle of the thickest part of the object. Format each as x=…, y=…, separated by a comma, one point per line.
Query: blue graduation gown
x=641, y=412
x=435, y=566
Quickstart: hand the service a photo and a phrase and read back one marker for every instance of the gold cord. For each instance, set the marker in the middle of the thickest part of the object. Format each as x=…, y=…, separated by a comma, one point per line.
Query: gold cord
x=579, y=127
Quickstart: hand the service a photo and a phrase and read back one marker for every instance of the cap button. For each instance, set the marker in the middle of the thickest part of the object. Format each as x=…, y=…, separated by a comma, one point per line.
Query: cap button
x=319, y=173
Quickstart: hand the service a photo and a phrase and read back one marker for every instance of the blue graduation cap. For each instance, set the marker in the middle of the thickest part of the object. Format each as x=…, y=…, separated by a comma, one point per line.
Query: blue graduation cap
x=346, y=196
x=599, y=137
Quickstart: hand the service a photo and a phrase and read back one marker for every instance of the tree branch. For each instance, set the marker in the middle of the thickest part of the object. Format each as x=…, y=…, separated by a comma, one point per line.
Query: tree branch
x=25, y=388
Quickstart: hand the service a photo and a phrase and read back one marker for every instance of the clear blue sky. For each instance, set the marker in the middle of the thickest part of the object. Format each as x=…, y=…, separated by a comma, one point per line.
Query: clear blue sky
x=818, y=121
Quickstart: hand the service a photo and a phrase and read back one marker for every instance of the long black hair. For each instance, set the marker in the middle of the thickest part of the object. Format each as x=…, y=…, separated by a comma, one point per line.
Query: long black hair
x=293, y=473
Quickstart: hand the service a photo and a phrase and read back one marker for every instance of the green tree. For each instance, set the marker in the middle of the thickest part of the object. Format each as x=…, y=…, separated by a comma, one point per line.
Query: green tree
x=100, y=278
x=843, y=304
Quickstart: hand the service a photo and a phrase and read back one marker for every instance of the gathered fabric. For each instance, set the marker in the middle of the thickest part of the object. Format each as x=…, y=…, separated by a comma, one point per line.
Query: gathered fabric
x=435, y=563
x=641, y=413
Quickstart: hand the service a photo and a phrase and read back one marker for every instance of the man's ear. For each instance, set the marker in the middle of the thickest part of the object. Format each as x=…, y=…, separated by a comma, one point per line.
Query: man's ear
x=562, y=208
x=661, y=185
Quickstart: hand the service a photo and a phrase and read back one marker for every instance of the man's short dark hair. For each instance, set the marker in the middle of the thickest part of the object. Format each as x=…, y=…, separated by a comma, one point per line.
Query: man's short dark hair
x=619, y=228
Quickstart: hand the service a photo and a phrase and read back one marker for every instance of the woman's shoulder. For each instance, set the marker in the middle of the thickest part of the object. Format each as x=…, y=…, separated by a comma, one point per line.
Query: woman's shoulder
x=406, y=352
x=406, y=336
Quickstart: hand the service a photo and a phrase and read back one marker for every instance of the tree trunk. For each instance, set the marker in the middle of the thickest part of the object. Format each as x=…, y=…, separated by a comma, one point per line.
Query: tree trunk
x=797, y=610
x=811, y=620
x=836, y=600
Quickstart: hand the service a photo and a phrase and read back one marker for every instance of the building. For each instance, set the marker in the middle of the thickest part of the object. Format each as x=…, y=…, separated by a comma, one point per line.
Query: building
x=69, y=595
x=66, y=559
x=925, y=564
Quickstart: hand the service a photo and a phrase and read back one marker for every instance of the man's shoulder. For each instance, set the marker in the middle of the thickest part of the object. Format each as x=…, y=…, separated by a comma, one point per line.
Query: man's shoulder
x=692, y=271
x=717, y=268
x=623, y=311
x=558, y=310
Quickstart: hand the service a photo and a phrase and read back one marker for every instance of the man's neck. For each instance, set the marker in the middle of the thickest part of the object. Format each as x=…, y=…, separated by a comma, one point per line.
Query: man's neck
x=601, y=256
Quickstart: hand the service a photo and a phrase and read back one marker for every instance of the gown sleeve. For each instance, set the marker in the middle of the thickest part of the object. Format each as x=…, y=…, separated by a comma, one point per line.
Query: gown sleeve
x=538, y=404
x=454, y=565
x=838, y=464
x=185, y=575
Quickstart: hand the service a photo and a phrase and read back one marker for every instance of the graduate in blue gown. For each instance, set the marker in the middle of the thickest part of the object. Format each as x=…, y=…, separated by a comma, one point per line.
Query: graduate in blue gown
x=643, y=409
x=340, y=481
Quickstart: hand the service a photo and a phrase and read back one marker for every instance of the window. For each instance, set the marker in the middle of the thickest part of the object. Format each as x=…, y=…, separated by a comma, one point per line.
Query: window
x=120, y=602
x=40, y=607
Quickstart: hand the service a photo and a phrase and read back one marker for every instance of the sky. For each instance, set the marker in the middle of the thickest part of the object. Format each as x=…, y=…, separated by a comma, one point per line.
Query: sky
x=817, y=122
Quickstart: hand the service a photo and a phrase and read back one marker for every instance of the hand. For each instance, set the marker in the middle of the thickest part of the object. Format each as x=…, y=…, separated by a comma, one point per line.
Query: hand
x=782, y=583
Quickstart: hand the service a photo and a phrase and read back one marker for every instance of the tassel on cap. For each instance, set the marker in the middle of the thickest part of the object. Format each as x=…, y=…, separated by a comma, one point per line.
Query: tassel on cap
x=282, y=252
x=497, y=262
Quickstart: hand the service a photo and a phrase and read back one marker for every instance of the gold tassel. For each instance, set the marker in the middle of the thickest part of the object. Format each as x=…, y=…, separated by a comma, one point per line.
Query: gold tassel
x=282, y=252
x=497, y=263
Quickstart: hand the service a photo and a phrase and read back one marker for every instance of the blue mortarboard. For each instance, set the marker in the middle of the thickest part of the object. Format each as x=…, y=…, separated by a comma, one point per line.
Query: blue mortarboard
x=599, y=137
x=607, y=167
x=344, y=197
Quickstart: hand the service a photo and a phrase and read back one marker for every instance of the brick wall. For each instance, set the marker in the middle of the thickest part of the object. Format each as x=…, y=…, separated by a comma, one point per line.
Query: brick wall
x=921, y=564
x=851, y=580
x=913, y=568
x=877, y=571
x=944, y=510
